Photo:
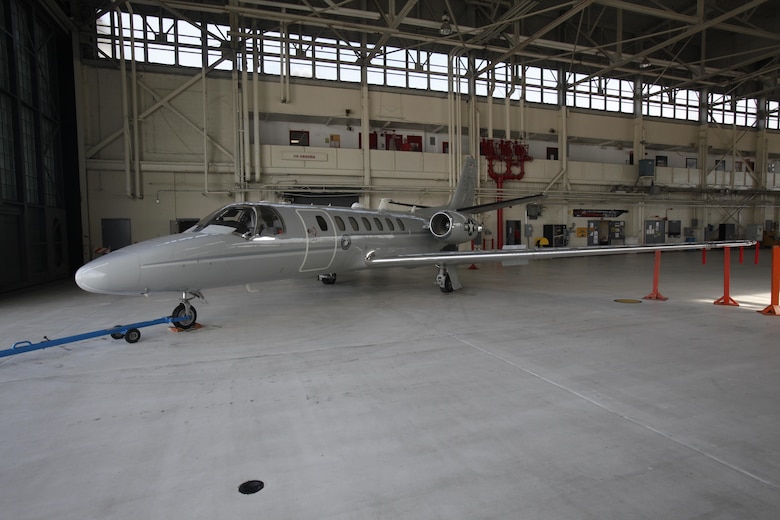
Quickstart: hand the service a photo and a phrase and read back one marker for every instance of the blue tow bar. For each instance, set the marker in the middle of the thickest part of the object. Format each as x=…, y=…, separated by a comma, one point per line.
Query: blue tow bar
x=130, y=333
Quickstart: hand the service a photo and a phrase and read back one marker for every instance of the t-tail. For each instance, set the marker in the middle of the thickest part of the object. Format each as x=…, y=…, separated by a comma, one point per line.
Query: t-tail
x=466, y=189
x=463, y=199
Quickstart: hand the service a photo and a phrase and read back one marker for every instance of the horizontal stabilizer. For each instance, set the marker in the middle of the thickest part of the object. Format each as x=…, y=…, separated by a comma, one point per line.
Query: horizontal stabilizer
x=490, y=206
x=407, y=205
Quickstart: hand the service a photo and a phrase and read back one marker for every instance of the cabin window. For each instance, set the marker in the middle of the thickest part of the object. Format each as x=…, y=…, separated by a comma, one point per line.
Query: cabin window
x=321, y=222
x=354, y=224
x=378, y=224
x=390, y=225
x=366, y=223
x=340, y=223
x=400, y=224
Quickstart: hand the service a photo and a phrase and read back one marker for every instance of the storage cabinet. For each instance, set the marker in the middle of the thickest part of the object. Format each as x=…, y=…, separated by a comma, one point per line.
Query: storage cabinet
x=556, y=235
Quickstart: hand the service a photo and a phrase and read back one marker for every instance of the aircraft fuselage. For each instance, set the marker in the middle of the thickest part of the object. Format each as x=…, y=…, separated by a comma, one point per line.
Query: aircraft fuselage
x=281, y=241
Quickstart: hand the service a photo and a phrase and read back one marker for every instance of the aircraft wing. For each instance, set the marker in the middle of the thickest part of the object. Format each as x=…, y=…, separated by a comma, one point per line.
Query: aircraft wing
x=510, y=255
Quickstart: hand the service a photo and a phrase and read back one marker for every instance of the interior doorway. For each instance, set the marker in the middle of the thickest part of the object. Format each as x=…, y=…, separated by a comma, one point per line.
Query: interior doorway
x=116, y=233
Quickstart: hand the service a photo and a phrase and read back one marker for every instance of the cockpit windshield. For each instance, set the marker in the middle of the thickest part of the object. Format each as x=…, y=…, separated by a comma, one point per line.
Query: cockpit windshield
x=245, y=220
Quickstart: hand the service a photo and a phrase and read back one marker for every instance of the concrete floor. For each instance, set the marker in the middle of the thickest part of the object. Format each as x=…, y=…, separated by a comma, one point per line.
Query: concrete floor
x=529, y=394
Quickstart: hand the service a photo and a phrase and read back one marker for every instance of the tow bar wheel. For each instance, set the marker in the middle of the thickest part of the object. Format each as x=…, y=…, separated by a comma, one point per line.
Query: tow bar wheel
x=132, y=335
x=117, y=335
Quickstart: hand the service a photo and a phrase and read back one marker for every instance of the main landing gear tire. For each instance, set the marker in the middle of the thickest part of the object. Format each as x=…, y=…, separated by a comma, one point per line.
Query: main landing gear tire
x=447, y=287
x=328, y=279
x=181, y=310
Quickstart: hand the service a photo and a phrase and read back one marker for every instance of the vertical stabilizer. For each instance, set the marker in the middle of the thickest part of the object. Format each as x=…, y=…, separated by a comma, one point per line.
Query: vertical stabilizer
x=467, y=186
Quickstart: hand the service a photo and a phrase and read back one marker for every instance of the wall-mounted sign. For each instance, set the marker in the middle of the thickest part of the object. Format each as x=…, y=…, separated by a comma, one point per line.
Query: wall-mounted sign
x=599, y=213
x=305, y=156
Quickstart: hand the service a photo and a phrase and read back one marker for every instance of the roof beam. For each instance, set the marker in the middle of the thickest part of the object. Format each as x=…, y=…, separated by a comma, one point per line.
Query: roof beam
x=395, y=22
x=690, y=19
x=578, y=7
x=690, y=31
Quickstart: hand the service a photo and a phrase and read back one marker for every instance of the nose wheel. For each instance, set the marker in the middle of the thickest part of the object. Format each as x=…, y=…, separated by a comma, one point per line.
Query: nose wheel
x=186, y=310
x=182, y=310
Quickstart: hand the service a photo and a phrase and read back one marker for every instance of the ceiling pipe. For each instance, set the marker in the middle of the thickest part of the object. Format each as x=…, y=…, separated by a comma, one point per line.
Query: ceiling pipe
x=125, y=112
x=139, y=194
x=256, y=104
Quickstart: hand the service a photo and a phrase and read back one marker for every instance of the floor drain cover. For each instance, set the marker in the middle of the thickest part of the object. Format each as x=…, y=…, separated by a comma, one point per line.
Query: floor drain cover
x=628, y=300
x=250, y=487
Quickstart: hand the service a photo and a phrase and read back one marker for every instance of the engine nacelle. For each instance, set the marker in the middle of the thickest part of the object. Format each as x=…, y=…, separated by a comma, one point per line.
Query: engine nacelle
x=453, y=228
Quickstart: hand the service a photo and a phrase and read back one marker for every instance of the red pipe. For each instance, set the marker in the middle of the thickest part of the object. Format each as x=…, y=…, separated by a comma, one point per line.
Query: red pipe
x=508, y=152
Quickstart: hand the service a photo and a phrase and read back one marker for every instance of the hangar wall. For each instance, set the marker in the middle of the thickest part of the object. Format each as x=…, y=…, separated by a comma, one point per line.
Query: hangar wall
x=164, y=175
x=39, y=203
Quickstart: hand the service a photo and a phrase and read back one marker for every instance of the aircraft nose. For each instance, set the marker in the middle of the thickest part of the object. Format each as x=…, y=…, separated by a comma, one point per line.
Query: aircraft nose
x=115, y=273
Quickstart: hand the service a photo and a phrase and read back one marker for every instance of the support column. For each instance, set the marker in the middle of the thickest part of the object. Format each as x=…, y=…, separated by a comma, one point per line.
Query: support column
x=774, y=308
x=80, y=96
x=762, y=153
x=726, y=299
x=655, y=295
x=365, y=122
x=703, y=138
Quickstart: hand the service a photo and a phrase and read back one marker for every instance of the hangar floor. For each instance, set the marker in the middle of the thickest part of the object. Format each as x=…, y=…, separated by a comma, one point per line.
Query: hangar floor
x=529, y=394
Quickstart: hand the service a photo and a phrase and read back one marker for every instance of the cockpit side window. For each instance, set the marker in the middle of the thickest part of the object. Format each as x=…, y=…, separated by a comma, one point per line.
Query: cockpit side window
x=271, y=223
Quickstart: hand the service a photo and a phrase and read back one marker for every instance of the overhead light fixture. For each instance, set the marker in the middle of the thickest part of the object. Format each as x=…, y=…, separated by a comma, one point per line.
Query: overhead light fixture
x=446, y=28
x=645, y=63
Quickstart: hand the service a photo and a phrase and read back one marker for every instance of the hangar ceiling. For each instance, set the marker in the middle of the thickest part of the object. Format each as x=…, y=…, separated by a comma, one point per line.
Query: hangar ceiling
x=725, y=46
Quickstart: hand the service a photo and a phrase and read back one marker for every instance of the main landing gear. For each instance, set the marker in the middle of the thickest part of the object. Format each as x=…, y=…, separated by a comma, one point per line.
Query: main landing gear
x=185, y=308
x=446, y=279
x=327, y=279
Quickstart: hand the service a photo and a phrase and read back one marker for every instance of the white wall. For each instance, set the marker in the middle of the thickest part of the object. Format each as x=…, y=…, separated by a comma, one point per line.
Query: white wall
x=172, y=167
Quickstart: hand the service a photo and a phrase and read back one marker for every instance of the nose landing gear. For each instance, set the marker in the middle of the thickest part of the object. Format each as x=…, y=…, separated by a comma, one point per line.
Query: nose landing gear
x=185, y=308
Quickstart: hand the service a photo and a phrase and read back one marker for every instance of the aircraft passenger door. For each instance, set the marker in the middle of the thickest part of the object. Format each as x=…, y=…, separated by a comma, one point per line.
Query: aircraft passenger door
x=321, y=239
